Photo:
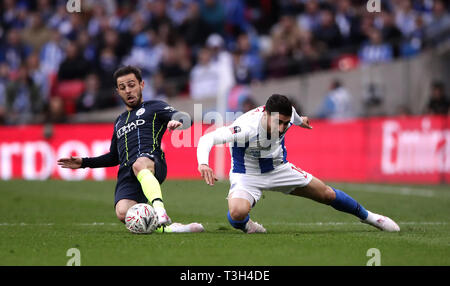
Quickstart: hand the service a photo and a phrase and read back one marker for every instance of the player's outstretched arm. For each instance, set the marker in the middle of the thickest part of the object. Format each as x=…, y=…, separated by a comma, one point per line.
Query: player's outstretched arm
x=205, y=144
x=219, y=136
x=70, y=163
x=109, y=159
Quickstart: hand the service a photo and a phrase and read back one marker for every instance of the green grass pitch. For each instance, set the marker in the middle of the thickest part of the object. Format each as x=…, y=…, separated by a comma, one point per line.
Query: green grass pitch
x=41, y=220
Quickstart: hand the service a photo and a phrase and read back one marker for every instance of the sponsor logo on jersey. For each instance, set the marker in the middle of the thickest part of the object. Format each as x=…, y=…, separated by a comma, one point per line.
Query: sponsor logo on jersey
x=129, y=127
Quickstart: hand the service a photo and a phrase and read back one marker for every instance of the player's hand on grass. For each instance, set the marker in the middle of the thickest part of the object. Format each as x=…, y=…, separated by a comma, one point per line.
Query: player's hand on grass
x=305, y=123
x=70, y=163
x=207, y=174
x=173, y=124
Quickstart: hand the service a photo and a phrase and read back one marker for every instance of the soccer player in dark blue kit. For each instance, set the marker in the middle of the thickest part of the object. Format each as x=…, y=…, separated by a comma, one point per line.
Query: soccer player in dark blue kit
x=136, y=146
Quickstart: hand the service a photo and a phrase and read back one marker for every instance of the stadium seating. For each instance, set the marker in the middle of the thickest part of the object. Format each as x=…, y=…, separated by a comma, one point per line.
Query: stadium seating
x=69, y=91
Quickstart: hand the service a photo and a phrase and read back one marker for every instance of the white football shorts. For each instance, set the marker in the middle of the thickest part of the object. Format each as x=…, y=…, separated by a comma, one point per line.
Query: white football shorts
x=284, y=179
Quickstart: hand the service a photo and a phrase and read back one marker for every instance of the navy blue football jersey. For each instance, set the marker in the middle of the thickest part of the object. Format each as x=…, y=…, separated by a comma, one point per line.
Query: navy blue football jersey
x=141, y=130
x=136, y=132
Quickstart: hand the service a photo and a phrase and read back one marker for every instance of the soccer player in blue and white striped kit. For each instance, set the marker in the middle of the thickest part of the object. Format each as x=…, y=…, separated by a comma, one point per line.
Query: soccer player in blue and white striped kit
x=259, y=163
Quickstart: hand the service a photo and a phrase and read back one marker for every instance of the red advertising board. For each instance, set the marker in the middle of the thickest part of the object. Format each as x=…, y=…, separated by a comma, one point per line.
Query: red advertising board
x=31, y=152
x=412, y=149
x=331, y=150
x=397, y=150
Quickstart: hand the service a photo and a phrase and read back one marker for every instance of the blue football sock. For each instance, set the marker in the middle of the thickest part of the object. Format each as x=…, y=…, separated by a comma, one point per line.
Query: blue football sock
x=239, y=224
x=345, y=203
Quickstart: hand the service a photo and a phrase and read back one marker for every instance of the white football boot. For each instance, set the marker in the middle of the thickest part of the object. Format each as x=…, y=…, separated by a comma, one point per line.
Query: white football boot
x=179, y=227
x=163, y=218
x=381, y=222
x=254, y=227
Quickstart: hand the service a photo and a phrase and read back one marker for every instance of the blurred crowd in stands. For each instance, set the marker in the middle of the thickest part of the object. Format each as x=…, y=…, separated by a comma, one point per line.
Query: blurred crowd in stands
x=54, y=63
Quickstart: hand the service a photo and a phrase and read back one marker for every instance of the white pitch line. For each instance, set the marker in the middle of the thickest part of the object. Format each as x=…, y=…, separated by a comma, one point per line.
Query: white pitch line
x=357, y=223
x=96, y=223
x=52, y=224
x=273, y=223
x=26, y=224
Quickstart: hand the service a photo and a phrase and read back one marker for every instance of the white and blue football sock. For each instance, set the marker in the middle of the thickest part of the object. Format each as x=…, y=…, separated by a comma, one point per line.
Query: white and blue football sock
x=238, y=224
x=345, y=203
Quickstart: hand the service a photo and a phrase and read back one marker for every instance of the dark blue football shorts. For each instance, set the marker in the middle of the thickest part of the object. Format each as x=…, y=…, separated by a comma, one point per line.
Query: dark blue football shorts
x=128, y=186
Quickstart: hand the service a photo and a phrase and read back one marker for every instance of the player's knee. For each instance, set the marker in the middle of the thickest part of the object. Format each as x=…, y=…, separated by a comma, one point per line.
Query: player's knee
x=238, y=213
x=143, y=163
x=121, y=213
x=138, y=165
x=121, y=217
x=328, y=196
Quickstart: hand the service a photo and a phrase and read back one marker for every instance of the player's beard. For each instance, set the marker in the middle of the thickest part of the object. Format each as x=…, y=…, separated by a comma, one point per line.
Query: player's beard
x=136, y=103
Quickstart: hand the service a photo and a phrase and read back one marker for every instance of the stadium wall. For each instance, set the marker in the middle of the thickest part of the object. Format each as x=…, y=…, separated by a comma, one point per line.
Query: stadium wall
x=386, y=150
x=401, y=84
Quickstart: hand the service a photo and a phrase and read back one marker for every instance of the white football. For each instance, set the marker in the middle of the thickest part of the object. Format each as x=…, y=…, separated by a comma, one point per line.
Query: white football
x=141, y=218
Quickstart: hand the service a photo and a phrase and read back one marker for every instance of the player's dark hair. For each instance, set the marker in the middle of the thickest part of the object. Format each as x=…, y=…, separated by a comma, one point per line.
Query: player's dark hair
x=127, y=70
x=279, y=103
